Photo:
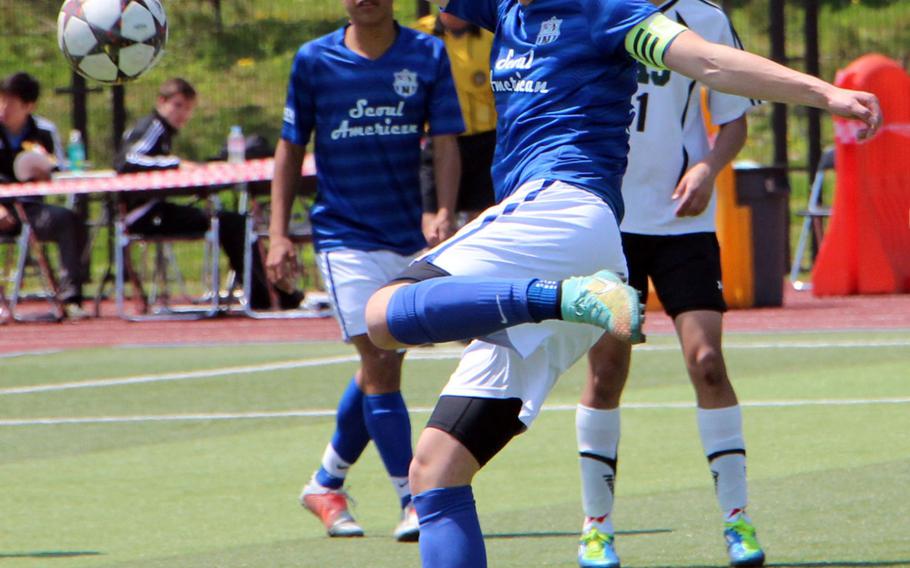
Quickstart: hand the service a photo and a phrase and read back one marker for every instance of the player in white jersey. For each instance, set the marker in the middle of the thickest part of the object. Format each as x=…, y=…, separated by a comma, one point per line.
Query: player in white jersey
x=669, y=234
x=563, y=75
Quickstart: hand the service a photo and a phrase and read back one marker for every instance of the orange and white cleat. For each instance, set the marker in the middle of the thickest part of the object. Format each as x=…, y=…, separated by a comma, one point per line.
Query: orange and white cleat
x=331, y=507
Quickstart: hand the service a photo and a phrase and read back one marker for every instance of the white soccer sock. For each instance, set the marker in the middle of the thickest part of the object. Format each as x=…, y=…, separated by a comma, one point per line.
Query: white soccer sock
x=333, y=464
x=402, y=487
x=721, y=432
x=598, y=439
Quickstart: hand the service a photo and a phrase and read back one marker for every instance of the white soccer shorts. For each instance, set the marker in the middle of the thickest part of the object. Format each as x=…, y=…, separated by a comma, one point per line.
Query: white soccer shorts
x=552, y=234
x=351, y=277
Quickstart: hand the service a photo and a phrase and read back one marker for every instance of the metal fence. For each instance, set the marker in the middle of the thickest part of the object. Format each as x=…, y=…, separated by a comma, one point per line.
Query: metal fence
x=819, y=37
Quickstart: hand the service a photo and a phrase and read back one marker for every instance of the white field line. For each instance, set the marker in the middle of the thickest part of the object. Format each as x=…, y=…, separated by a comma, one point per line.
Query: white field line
x=208, y=373
x=323, y=413
x=14, y=354
x=435, y=354
x=181, y=376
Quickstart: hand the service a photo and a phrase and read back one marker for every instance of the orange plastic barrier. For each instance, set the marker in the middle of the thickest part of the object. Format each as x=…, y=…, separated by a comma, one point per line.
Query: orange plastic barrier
x=866, y=249
x=734, y=233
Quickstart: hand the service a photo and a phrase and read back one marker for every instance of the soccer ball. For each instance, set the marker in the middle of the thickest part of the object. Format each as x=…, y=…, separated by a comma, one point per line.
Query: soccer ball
x=112, y=41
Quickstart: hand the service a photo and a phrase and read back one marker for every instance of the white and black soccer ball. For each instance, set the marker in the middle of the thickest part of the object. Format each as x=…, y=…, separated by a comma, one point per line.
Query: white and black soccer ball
x=112, y=41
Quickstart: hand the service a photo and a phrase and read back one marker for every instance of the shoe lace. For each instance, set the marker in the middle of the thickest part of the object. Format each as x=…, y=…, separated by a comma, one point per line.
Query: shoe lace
x=589, y=303
x=352, y=503
x=746, y=533
x=595, y=541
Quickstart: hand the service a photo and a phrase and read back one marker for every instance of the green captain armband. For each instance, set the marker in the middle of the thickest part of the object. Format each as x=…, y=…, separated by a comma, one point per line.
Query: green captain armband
x=648, y=41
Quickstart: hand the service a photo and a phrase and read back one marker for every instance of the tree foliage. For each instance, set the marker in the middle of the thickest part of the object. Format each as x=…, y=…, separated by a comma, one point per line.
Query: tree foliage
x=835, y=4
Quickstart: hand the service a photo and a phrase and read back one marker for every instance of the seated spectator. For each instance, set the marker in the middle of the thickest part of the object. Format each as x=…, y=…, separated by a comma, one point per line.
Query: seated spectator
x=21, y=132
x=147, y=146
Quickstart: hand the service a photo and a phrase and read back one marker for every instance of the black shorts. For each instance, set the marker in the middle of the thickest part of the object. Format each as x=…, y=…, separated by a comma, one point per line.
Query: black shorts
x=475, y=192
x=483, y=425
x=685, y=270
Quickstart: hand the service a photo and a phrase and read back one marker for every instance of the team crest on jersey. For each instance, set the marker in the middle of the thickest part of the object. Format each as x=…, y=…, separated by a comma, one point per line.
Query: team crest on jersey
x=405, y=83
x=290, y=116
x=549, y=31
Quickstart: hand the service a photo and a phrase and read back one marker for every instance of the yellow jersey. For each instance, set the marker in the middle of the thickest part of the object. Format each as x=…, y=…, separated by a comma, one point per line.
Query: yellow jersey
x=469, y=55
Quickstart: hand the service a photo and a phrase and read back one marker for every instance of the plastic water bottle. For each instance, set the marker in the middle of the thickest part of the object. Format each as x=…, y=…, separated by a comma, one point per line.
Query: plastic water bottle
x=236, y=145
x=75, y=151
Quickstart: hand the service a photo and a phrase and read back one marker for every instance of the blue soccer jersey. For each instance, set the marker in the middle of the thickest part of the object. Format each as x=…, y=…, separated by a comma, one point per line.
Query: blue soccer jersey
x=368, y=117
x=563, y=82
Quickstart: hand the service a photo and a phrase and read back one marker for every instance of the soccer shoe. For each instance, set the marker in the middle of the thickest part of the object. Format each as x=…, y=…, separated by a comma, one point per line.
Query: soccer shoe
x=604, y=300
x=75, y=312
x=408, y=529
x=595, y=550
x=742, y=546
x=331, y=507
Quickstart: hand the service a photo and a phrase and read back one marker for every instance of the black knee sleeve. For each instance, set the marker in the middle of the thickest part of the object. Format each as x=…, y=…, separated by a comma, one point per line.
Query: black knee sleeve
x=420, y=271
x=483, y=425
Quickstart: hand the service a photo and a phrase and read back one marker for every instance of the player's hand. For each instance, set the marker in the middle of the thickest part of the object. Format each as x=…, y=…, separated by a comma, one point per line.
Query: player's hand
x=694, y=190
x=43, y=175
x=427, y=220
x=857, y=105
x=281, y=263
x=438, y=227
x=7, y=220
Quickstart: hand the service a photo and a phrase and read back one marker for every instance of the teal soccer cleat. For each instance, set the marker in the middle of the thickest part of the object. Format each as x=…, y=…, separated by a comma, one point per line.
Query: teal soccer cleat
x=595, y=550
x=742, y=546
x=604, y=300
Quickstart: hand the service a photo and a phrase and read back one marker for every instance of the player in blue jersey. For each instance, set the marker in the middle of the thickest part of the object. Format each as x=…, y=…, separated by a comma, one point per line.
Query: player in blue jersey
x=366, y=92
x=563, y=74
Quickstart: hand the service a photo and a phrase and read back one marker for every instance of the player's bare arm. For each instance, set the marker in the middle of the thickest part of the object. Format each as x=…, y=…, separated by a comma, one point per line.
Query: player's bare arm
x=663, y=43
x=7, y=220
x=447, y=174
x=281, y=263
x=693, y=192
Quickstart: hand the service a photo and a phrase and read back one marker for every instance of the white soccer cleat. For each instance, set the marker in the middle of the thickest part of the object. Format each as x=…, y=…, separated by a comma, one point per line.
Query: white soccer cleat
x=408, y=529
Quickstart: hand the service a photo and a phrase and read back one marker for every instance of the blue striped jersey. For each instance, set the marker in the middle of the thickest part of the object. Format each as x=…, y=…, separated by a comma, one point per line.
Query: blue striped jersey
x=563, y=83
x=368, y=117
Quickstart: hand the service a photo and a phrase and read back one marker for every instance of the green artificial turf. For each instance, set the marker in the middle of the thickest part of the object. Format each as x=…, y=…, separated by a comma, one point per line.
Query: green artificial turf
x=829, y=483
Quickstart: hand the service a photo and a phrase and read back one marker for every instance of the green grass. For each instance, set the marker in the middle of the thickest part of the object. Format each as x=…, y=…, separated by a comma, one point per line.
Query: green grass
x=829, y=484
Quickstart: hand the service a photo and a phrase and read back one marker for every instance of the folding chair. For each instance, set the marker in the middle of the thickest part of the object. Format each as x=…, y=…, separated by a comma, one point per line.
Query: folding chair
x=31, y=259
x=162, y=271
x=257, y=221
x=814, y=216
x=5, y=315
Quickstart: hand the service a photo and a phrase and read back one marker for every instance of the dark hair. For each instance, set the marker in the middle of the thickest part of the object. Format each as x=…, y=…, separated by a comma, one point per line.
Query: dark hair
x=22, y=86
x=176, y=86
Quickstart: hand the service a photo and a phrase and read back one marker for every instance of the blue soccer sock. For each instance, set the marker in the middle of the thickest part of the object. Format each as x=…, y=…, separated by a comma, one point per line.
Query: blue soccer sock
x=389, y=425
x=452, y=308
x=450, y=535
x=349, y=440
